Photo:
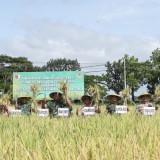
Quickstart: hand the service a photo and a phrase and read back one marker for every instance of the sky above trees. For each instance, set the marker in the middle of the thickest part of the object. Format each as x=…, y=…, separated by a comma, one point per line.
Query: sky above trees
x=92, y=31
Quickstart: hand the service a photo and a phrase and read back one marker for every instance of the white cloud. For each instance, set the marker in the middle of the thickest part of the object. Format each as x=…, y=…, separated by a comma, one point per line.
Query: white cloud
x=58, y=40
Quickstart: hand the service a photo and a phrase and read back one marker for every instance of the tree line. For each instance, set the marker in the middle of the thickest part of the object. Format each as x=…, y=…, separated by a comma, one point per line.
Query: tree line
x=138, y=73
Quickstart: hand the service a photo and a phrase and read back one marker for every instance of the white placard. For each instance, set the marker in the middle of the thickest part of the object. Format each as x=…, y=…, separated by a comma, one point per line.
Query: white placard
x=121, y=109
x=88, y=111
x=42, y=112
x=149, y=111
x=63, y=112
x=15, y=112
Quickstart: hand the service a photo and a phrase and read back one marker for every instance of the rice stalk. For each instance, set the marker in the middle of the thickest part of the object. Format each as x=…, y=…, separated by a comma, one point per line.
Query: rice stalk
x=5, y=99
x=64, y=87
x=94, y=91
x=4, y=103
x=125, y=94
x=34, y=89
x=157, y=93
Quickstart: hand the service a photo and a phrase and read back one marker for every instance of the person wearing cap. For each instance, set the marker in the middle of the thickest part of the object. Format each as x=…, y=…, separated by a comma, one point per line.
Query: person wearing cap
x=58, y=101
x=144, y=98
x=23, y=103
x=114, y=100
x=87, y=101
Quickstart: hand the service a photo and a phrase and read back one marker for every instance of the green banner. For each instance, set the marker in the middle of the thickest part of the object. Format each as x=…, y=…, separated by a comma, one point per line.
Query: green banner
x=47, y=82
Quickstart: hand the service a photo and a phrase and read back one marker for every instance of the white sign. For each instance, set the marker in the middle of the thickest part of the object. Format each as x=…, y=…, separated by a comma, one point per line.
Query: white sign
x=88, y=111
x=121, y=109
x=63, y=112
x=15, y=112
x=42, y=112
x=149, y=111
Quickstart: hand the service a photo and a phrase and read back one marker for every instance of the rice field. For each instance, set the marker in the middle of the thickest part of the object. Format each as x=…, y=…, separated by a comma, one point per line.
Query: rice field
x=100, y=137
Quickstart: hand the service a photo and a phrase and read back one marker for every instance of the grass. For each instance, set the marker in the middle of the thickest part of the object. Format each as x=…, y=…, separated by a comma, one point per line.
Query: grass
x=101, y=137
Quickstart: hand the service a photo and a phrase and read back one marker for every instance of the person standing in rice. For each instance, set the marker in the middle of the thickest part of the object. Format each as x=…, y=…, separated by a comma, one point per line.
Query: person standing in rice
x=114, y=100
x=144, y=98
x=58, y=101
x=87, y=100
x=23, y=103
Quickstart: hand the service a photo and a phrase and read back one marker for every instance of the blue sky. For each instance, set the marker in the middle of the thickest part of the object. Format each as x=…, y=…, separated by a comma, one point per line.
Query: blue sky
x=91, y=31
x=121, y=17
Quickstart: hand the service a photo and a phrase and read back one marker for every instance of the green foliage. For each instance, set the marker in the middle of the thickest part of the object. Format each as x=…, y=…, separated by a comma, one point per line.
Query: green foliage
x=34, y=89
x=8, y=66
x=153, y=77
x=135, y=72
x=91, y=80
x=115, y=76
x=62, y=65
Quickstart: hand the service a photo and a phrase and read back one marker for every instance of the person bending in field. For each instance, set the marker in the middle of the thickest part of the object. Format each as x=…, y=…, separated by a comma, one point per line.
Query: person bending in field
x=88, y=102
x=58, y=101
x=114, y=100
x=23, y=103
x=144, y=98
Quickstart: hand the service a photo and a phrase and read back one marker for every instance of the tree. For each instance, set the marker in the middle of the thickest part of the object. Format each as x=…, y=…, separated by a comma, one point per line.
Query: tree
x=8, y=65
x=153, y=76
x=114, y=76
x=91, y=80
x=62, y=65
x=134, y=73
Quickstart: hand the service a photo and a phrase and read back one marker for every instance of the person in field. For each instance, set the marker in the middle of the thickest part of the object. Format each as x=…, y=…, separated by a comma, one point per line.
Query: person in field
x=87, y=100
x=23, y=103
x=42, y=103
x=4, y=110
x=114, y=100
x=144, y=98
x=58, y=101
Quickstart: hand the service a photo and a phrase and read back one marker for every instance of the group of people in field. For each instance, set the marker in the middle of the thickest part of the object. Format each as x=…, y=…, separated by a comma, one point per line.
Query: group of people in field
x=60, y=100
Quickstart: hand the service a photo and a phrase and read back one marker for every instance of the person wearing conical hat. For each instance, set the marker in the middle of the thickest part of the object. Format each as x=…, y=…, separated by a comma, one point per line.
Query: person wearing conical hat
x=23, y=103
x=114, y=100
x=58, y=102
x=87, y=102
x=144, y=98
